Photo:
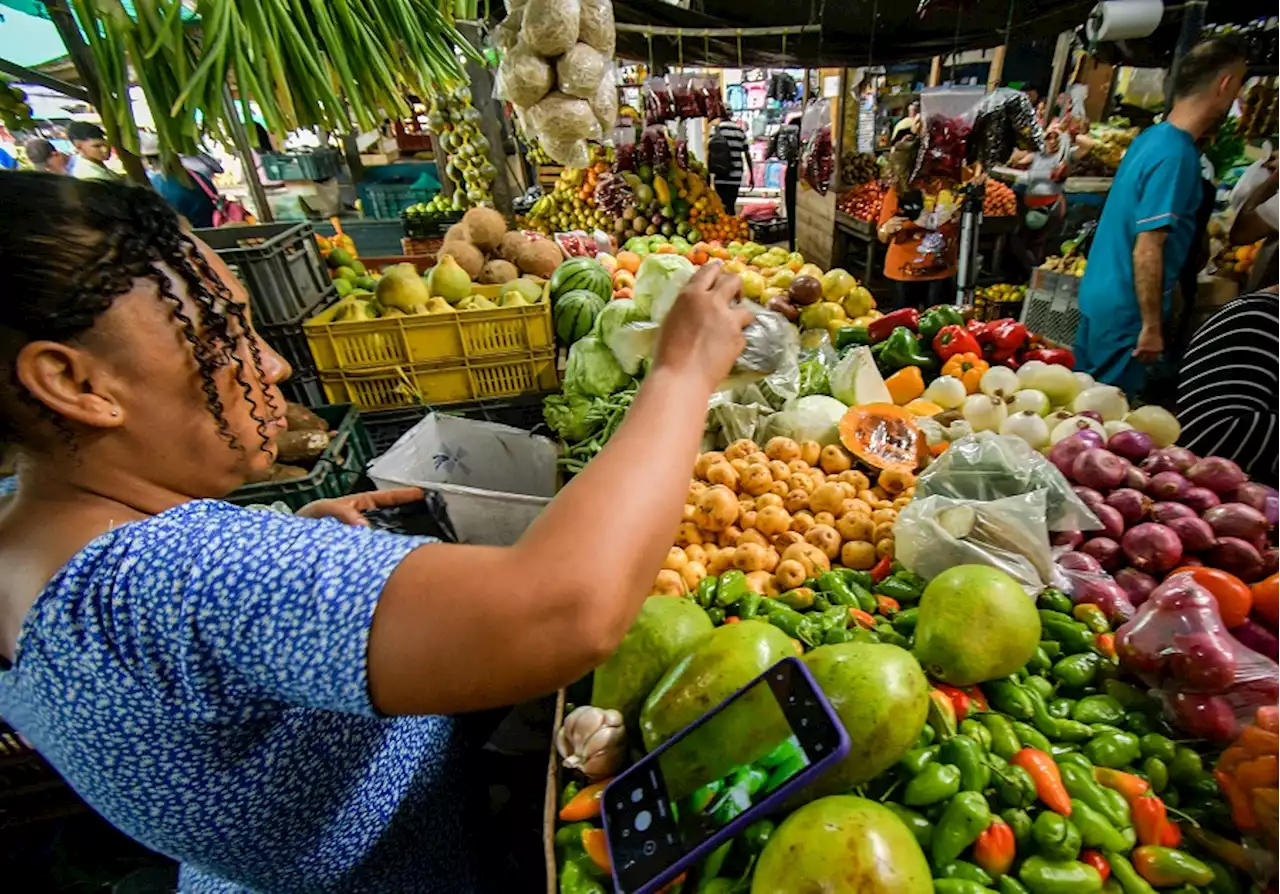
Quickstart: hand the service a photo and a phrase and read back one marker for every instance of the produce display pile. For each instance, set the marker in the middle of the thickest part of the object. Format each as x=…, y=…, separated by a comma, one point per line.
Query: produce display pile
x=999, y=201
x=864, y=201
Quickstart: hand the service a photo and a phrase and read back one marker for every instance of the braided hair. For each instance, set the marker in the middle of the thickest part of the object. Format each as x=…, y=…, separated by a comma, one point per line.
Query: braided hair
x=72, y=248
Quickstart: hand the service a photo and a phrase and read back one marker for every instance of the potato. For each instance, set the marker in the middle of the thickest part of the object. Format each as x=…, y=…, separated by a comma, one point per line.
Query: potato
x=746, y=503
x=780, y=488
x=856, y=479
x=717, y=508
x=826, y=498
x=750, y=557
x=300, y=446
x=747, y=520
x=705, y=462
x=721, y=562
x=824, y=518
x=884, y=548
x=696, y=489
x=771, y=559
x=802, y=521
x=676, y=559
x=810, y=451
x=692, y=574
x=858, y=555
x=895, y=481
x=765, y=500
x=740, y=449
x=786, y=538
x=819, y=477
x=848, y=506
x=862, y=507
x=901, y=503
x=688, y=534
x=847, y=489
x=884, y=515
x=772, y=520
x=696, y=553
x=753, y=537
x=798, y=465
x=854, y=527
x=756, y=479
x=739, y=465
x=689, y=512
x=783, y=449
x=762, y=582
x=825, y=538
x=779, y=470
x=729, y=536
x=834, y=459
x=814, y=560
x=757, y=459
x=790, y=574
x=883, y=530
x=724, y=475
x=669, y=583
x=796, y=500
x=880, y=493
x=801, y=481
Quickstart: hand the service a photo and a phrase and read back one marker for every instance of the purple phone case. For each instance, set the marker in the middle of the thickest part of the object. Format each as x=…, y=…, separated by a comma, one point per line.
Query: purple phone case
x=756, y=811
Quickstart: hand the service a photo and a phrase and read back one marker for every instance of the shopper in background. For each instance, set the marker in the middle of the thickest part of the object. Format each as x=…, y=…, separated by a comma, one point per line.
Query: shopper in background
x=92, y=152
x=726, y=158
x=193, y=197
x=1148, y=223
x=788, y=140
x=920, y=261
x=258, y=695
x=910, y=124
x=44, y=156
x=1258, y=218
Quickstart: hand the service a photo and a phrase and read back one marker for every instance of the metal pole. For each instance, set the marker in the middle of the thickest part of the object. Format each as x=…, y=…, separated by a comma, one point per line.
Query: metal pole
x=30, y=76
x=1192, y=24
x=241, y=139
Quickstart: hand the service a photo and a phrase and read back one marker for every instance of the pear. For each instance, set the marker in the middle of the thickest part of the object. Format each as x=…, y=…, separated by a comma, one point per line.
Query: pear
x=449, y=281
x=401, y=287
x=513, y=299
x=438, y=305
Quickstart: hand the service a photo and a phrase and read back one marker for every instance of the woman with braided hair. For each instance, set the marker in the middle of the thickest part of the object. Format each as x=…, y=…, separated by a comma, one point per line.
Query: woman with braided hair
x=266, y=698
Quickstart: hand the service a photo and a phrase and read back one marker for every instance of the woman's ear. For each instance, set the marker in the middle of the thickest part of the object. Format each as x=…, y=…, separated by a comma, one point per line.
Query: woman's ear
x=67, y=381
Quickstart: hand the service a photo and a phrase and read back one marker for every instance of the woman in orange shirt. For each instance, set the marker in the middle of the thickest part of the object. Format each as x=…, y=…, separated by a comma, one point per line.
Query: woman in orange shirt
x=921, y=260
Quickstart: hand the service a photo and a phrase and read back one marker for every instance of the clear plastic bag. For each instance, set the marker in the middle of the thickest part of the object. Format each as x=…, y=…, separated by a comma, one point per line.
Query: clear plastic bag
x=1210, y=683
x=507, y=32
x=1087, y=584
x=988, y=466
x=580, y=71
x=604, y=103
x=935, y=533
x=562, y=118
x=551, y=26
x=773, y=348
x=523, y=77
x=570, y=153
x=596, y=27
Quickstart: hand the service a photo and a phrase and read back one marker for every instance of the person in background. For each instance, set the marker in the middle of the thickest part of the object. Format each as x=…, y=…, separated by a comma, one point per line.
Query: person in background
x=44, y=156
x=263, y=145
x=1148, y=221
x=920, y=261
x=910, y=124
x=726, y=159
x=1259, y=219
x=791, y=177
x=1227, y=386
x=194, y=201
x=92, y=152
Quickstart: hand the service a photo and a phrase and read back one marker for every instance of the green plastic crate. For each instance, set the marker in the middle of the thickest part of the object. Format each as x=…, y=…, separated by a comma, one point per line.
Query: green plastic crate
x=334, y=474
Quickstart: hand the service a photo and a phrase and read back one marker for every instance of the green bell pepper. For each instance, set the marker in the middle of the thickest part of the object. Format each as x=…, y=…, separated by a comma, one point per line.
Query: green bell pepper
x=1186, y=765
x=716, y=615
x=832, y=583
x=1060, y=749
x=888, y=635
x=731, y=588
x=1081, y=786
x=1007, y=884
x=933, y=319
x=915, y=760
x=575, y=879
x=935, y=782
x=1043, y=876
x=920, y=827
x=1039, y=685
x=1156, y=745
x=903, y=348
x=1061, y=708
x=1224, y=880
x=1055, y=836
x=1157, y=774
x=1074, y=731
x=1041, y=719
x=801, y=599
x=1009, y=697
x=965, y=818
x=1200, y=788
x=1055, y=600
x=1077, y=671
x=1019, y=821
x=1131, y=697
x=898, y=589
x=1071, y=634
x=837, y=635
x=1040, y=661
x=862, y=635
x=852, y=337
x=1113, y=749
x=857, y=578
x=1098, y=709
x=958, y=886
x=926, y=737
x=1095, y=831
x=566, y=795
x=1137, y=723
x=1076, y=758
x=757, y=834
x=1123, y=871
x=905, y=621
x=791, y=622
x=748, y=606
x=966, y=754
x=1004, y=741
x=705, y=595
x=1014, y=786
x=1030, y=737
x=963, y=870
x=974, y=730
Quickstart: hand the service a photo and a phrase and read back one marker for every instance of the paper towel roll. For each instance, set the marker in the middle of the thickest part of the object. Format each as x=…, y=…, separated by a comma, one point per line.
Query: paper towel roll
x=1124, y=19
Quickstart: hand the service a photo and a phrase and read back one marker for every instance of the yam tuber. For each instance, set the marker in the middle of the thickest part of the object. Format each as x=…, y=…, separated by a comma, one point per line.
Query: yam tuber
x=669, y=583
x=790, y=573
x=825, y=538
x=705, y=462
x=858, y=555
x=740, y=449
x=756, y=479
x=784, y=449
x=810, y=452
x=834, y=459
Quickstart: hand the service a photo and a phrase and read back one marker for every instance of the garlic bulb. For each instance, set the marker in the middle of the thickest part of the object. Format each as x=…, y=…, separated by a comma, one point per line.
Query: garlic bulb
x=592, y=740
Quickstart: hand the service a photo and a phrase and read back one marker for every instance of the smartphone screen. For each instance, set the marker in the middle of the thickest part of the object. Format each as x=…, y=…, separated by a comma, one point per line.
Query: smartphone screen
x=715, y=771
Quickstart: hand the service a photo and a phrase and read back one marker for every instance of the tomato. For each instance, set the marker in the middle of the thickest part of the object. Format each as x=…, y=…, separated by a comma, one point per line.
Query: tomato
x=1232, y=594
x=1264, y=598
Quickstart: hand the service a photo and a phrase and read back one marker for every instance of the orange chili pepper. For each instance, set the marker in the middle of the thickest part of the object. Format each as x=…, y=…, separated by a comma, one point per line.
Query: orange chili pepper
x=1149, y=819
x=1262, y=772
x=586, y=804
x=1241, y=805
x=1106, y=643
x=1259, y=742
x=1232, y=758
x=732, y=619
x=1044, y=772
x=1266, y=806
x=597, y=848
x=995, y=848
x=1132, y=787
x=861, y=618
x=887, y=605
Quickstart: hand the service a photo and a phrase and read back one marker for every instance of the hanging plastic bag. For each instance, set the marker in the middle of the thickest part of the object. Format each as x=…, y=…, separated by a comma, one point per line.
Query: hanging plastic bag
x=523, y=77
x=580, y=72
x=596, y=26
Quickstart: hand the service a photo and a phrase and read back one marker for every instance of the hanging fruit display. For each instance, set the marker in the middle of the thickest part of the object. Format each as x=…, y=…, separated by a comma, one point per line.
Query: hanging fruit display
x=456, y=124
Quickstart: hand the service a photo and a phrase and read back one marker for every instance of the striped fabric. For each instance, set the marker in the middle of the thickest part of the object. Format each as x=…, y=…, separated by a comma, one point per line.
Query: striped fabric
x=1228, y=386
x=737, y=140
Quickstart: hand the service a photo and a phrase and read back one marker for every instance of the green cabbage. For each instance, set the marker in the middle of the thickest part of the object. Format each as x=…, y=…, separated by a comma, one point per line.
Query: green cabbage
x=659, y=281
x=592, y=369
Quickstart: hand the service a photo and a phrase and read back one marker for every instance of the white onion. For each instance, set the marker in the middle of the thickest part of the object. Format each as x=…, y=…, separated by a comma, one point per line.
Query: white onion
x=1027, y=425
x=1158, y=422
x=1085, y=380
x=947, y=392
x=1108, y=401
x=1115, y=426
x=998, y=381
x=1030, y=400
x=983, y=412
x=1029, y=369
x=1057, y=382
x=1068, y=427
x=958, y=429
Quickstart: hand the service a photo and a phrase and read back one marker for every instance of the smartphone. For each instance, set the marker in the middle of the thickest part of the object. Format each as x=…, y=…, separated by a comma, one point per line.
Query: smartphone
x=735, y=764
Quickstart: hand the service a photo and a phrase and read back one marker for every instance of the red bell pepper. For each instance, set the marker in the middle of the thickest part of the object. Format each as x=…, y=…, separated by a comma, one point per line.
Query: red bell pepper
x=977, y=700
x=1006, y=337
x=995, y=848
x=979, y=330
x=1052, y=355
x=879, y=329
x=952, y=340
x=959, y=699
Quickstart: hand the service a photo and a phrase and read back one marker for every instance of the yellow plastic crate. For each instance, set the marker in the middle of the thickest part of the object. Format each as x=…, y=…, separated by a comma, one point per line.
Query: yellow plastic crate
x=430, y=338
x=392, y=388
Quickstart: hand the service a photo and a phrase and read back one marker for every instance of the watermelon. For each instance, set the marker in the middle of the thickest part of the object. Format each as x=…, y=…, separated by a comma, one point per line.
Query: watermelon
x=575, y=313
x=581, y=273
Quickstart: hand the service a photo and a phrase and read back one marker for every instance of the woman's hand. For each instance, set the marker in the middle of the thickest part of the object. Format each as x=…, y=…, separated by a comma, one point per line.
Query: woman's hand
x=350, y=509
x=702, y=335
x=892, y=226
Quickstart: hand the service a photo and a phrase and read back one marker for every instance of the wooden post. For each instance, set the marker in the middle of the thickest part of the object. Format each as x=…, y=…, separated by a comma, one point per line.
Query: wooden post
x=935, y=71
x=491, y=115
x=1061, y=53
x=996, y=71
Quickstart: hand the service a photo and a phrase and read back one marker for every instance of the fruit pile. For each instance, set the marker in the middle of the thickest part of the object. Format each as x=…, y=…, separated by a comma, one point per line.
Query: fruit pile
x=1068, y=266
x=986, y=300
x=858, y=167
x=1258, y=115
x=1237, y=260
x=1000, y=201
x=572, y=204
x=15, y=113
x=863, y=202
x=456, y=124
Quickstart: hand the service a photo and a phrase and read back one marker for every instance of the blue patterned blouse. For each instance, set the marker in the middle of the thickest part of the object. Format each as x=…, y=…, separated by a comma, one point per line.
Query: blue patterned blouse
x=199, y=678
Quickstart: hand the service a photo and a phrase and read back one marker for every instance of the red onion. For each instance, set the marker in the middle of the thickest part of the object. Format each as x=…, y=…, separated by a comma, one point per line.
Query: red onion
x=1069, y=539
x=1132, y=444
x=1136, y=478
x=1098, y=468
x=1237, y=556
x=1191, y=562
x=1171, y=459
x=1203, y=661
x=1200, y=498
x=1260, y=497
x=1079, y=562
x=1166, y=512
x=1064, y=453
x=1133, y=505
x=1151, y=547
x=1105, y=550
x=1167, y=486
x=1195, y=533
x=1112, y=520
x=1216, y=473
x=1237, y=520
x=1106, y=594
x=1205, y=716
x=1138, y=585
x=1258, y=638
x=1088, y=495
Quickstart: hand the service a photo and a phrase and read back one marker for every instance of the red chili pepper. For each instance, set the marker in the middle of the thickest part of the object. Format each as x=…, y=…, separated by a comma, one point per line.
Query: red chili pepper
x=1149, y=819
x=1172, y=835
x=597, y=848
x=879, y=329
x=732, y=619
x=887, y=605
x=1052, y=355
x=882, y=569
x=1097, y=861
x=959, y=699
x=1044, y=772
x=952, y=340
x=995, y=848
x=862, y=619
x=1007, y=336
x=977, y=700
x=1132, y=787
x=942, y=714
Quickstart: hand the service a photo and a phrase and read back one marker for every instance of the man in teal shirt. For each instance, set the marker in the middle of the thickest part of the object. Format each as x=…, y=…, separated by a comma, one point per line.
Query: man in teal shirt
x=1148, y=223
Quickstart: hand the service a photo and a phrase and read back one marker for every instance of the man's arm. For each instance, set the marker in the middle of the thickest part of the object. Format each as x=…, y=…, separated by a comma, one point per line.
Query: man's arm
x=1256, y=218
x=1148, y=284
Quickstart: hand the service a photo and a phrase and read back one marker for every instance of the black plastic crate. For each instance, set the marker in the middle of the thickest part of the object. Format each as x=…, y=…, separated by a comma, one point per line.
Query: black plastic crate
x=769, y=231
x=522, y=412
x=428, y=226
x=386, y=201
x=318, y=164
x=279, y=264
x=290, y=342
x=304, y=388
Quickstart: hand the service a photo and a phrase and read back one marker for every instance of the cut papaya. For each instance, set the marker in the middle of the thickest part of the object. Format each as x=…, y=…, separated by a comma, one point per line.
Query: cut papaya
x=883, y=436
